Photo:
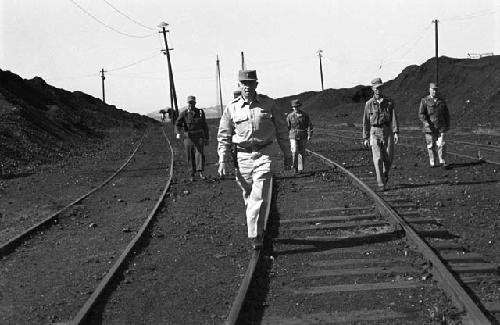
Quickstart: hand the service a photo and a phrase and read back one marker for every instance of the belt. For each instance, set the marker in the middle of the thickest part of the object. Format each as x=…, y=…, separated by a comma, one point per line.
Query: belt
x=252, y=148
x=380, y=125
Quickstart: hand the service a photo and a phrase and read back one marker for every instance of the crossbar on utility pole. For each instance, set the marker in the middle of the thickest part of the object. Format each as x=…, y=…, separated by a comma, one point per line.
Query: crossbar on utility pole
x=102, y=84
x=173, y=94
x=435, y=21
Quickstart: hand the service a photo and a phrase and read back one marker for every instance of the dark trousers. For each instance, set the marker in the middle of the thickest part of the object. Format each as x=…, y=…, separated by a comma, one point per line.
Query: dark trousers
x=194, y=154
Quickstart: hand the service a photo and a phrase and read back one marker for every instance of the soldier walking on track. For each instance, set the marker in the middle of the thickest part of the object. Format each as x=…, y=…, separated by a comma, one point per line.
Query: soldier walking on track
x=300, y=131
x=252, y=122
x=380, y=131
x=192, y=126
x=435, y=117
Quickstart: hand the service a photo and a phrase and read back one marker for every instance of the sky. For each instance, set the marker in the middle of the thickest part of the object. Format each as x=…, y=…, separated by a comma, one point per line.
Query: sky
x=68, y=42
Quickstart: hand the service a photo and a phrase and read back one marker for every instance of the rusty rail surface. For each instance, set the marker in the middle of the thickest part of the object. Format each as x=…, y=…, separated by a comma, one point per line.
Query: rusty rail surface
x=247, y=279
x=11, y=244
x=460, y=298
x=83, y=313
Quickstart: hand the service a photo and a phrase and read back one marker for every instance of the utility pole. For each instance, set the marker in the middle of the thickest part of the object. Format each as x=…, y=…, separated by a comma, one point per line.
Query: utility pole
x=173, y=94
x=435, y=21
x=102, y=83
x=320, y=55
x=219, y=86
x=242, y=61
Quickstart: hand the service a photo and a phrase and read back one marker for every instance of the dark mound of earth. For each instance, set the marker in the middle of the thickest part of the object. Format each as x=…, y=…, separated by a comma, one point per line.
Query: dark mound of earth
x=40, y=123
x=471, y=88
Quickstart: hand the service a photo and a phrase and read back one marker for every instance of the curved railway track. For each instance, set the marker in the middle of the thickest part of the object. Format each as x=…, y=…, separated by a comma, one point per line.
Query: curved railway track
x=465, y=149
x=100, y=229
x=337, y=252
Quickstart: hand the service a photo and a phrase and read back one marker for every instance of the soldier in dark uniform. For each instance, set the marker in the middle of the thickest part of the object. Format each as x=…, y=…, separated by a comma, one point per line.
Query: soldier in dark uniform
x=435, y=117
x=192, y=127
x=380, y=131
x=300, y=130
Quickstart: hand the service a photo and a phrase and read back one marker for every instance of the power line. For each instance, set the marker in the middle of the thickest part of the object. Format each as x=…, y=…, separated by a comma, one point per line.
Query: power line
x=106, y=25
x=134, y=63
x=126, y=16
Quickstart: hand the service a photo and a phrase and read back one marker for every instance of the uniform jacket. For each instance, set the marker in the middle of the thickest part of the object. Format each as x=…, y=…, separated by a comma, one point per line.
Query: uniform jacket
x=193, y=123
x=433, y=112
x=254, y=125
x=379, y=114
x=299, y=125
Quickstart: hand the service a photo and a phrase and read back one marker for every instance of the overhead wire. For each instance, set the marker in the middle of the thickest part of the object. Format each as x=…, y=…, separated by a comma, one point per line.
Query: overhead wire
x=127, y=16
x=106, y=25
x=133, y=63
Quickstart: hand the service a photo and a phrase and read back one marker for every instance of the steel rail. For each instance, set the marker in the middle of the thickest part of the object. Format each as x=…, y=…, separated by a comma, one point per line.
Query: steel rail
x=11, y=244
x=83, y=313
x=247, y=279
x=449, y=152
x=475, y=314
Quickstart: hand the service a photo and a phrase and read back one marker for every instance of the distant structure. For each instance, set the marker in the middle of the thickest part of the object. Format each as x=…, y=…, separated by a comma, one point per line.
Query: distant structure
x=478, y=55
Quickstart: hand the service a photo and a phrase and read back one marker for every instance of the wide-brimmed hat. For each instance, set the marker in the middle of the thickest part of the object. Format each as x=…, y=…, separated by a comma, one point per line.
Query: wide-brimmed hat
x=377, y=82
x=247, y=75
x=295, y=103
x=433, y=85
x=191, y=99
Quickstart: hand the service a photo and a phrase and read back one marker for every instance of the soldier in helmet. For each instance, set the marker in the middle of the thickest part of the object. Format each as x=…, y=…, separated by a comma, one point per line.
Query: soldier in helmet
x=435, y=117
x=300, y=131
x=380, y=131
x=252, y=122
x=192, y=127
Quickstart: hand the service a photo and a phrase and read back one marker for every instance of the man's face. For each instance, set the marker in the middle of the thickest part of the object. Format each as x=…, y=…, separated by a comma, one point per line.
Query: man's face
x=432, y=92
x=377, y=91
x=248, y=87
x=191, y=104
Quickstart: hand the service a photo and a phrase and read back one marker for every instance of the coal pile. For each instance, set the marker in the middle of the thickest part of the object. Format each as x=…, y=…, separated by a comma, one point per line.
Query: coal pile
x=40, y=123
x=471, y=88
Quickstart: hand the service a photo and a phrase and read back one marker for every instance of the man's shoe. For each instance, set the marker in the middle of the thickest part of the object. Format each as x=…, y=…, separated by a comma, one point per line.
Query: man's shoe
x=257, y=242
x=446, y=166
x=191, y=178
x=202, y=176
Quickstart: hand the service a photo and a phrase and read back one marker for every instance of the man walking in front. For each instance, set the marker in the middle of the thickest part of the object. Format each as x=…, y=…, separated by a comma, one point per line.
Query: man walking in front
x=193, y=127
x=380, y=131
x=252, y=122
x=300, y=131
x=435, y=117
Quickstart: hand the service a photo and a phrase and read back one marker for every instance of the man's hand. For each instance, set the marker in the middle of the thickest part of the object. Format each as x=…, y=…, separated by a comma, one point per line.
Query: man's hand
x=288, y=161
x=396, y=138
x=222, y=169
x=366, y=143
x=178, y=136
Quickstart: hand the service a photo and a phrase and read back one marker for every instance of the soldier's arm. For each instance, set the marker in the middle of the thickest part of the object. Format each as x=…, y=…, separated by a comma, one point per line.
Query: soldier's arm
x=281, y=131
x=205, y=126
x=395, y=121
x=366, y=123
x=224, y=136
x=309, y=127
x=422, y=112
x=180, y=123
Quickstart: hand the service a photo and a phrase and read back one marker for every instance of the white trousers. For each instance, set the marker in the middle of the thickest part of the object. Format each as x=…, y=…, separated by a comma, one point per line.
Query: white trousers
x=436, y=148
x=254, y=178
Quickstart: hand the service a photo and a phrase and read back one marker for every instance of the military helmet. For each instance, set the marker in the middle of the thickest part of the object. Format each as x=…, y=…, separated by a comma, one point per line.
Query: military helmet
x=296, y=103
x=247, y=75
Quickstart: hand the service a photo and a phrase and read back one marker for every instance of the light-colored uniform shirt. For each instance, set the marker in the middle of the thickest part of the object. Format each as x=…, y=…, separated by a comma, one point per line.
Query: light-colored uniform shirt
x=379, y=118
x=252, y=126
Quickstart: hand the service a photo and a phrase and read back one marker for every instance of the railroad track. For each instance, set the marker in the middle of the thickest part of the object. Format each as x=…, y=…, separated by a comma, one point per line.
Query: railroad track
x=465, y=149
x=337, y=252
x=100, y=229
